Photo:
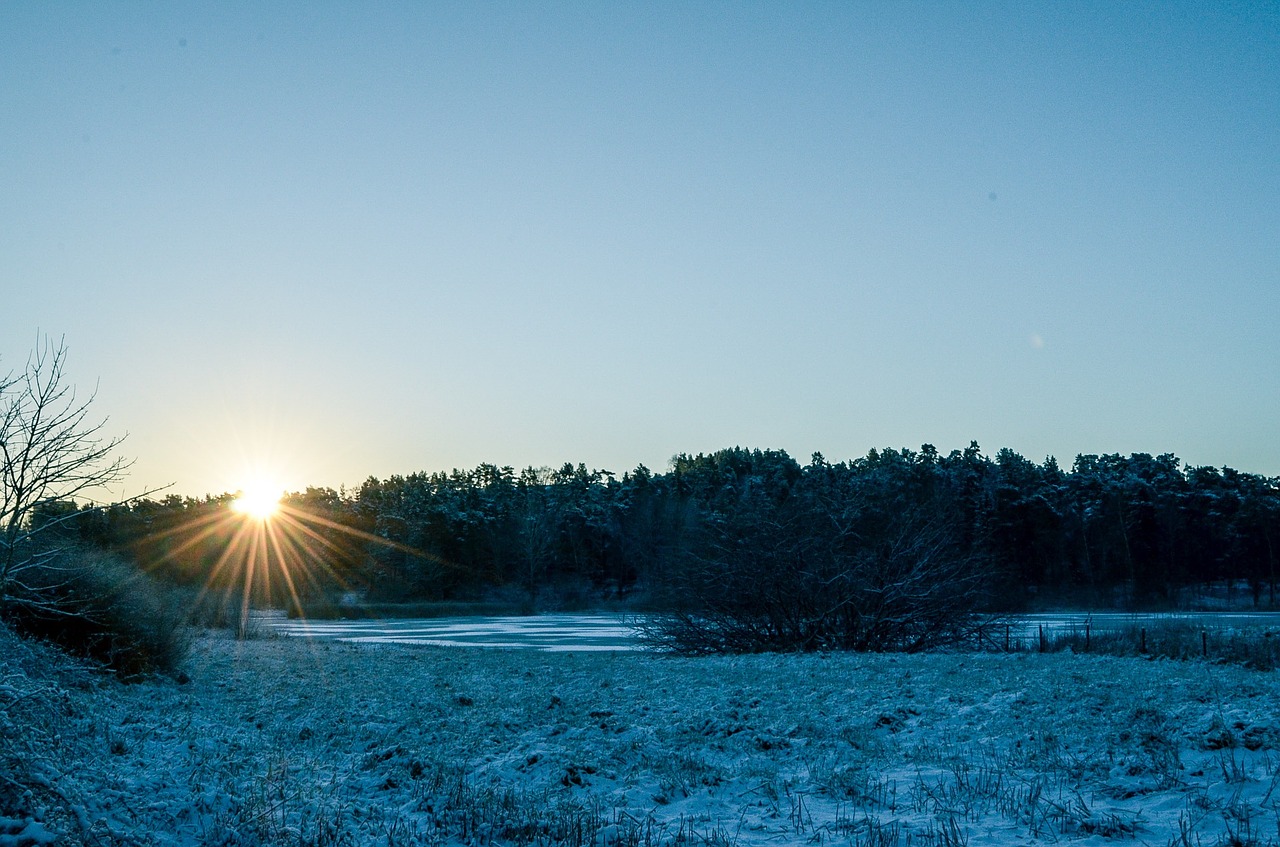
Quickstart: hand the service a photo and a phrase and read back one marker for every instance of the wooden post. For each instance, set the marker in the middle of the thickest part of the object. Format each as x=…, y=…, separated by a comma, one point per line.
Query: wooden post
x=1086, y=636
x=1143, y=648
x=1042, y=644
x=1006, y=638
x=1204, y=643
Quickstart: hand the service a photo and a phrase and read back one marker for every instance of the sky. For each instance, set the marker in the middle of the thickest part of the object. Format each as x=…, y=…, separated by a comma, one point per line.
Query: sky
x=320, y=242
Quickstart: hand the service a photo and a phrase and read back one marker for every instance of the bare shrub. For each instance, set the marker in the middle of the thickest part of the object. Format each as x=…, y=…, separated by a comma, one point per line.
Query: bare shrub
x=824, y=570
x=94, y=605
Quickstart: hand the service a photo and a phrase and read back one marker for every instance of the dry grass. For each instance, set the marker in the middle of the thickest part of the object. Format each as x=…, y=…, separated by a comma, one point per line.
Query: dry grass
x=1253, y=646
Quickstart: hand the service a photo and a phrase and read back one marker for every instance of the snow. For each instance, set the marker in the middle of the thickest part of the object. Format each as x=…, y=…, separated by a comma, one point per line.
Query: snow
x=291, y=740
x=24, y=833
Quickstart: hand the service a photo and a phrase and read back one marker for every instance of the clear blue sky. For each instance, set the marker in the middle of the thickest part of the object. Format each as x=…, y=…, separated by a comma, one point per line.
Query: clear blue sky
x=342, y=240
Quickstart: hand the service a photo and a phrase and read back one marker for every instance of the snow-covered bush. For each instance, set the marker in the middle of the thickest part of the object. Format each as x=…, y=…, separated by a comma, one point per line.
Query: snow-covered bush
x=95, y=605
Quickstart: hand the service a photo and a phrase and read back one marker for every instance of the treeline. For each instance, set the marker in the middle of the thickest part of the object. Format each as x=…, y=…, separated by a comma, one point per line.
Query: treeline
x=1135, y=531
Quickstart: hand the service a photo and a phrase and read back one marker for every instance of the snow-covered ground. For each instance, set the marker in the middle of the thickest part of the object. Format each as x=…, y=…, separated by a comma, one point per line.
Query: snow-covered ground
x=293, y=741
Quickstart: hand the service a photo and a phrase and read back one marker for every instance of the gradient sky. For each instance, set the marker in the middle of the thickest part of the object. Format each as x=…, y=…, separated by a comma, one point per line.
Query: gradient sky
x=329, y=241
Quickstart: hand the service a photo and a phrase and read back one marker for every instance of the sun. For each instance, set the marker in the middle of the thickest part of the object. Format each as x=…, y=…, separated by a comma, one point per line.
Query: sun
x=258, y=500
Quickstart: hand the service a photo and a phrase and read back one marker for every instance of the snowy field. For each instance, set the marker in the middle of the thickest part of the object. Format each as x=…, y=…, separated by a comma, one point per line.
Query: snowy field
x=297, y=741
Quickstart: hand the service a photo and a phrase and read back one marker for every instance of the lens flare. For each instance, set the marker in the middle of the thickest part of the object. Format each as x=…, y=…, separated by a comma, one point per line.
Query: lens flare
x=258, y=501
x=262, y=549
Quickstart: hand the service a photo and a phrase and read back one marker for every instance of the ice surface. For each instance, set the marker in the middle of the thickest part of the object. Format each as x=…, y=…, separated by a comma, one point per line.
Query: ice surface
x=558, y=633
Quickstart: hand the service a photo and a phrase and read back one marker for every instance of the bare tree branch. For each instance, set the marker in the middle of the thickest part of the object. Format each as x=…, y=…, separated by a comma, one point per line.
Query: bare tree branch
x=51, y=452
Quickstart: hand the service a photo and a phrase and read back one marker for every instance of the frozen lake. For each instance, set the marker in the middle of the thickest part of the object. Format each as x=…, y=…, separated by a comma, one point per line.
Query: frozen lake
x=600, y=632
x=556, y=633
